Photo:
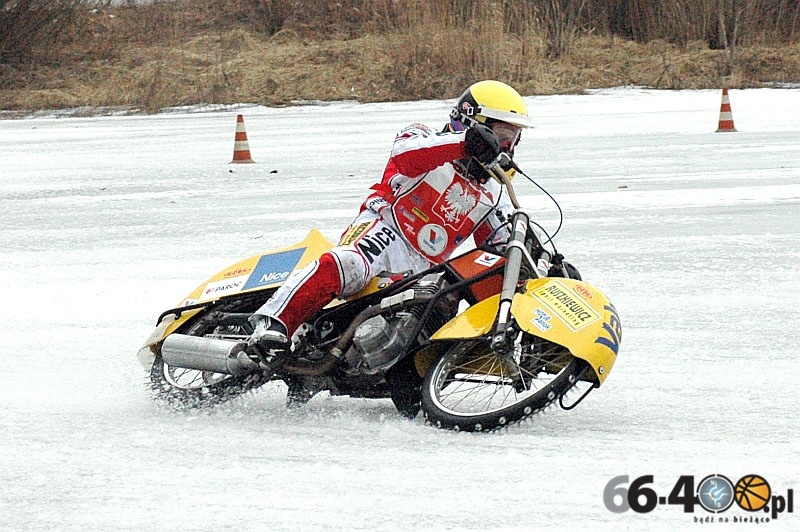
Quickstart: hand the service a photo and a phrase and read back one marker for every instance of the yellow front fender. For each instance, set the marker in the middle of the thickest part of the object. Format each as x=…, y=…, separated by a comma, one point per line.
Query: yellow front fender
x=567, y=312
x=574, y=314
x=476, y=321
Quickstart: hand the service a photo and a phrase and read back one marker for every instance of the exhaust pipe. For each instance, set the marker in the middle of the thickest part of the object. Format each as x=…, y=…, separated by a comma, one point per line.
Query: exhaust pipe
x=207, y=354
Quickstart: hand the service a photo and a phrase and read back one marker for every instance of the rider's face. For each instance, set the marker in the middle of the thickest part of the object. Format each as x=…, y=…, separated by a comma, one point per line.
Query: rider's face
x=507, y=134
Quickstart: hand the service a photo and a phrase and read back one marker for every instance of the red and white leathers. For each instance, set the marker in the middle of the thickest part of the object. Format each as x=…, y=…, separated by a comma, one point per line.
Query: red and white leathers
x=420, y=212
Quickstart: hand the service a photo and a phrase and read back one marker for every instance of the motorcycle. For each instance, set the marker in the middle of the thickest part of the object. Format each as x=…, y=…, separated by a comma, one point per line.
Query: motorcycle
x=477, y=343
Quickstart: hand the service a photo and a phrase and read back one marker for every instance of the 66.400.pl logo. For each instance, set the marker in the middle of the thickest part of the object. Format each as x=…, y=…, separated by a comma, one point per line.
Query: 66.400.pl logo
x=714, y=493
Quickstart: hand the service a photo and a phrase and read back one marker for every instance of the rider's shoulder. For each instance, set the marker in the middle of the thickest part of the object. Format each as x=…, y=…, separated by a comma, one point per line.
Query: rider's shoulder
x=415, y=129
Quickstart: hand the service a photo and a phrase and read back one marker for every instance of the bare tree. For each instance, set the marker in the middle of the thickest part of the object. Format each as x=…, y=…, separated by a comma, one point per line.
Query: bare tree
x=560, y=20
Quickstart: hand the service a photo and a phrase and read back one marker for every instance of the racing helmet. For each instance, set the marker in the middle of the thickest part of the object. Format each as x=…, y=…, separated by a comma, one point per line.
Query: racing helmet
x=489, y=102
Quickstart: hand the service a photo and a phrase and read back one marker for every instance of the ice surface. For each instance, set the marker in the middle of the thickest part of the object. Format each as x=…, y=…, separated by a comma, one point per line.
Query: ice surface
x=106, y=222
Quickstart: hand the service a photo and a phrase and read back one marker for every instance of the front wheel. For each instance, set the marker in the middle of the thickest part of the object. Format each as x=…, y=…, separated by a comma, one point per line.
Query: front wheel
x=472, y=388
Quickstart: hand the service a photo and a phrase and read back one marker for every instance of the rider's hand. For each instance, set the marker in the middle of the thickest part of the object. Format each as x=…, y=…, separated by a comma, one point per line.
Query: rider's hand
x=481, y=142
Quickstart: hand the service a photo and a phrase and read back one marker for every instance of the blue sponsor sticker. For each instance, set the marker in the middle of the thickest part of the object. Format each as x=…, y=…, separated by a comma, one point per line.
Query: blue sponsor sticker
x=274, y=268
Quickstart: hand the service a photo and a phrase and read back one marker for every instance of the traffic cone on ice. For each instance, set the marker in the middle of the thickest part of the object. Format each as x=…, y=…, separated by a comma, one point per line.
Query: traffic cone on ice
x=241, y=149
x=725, y=115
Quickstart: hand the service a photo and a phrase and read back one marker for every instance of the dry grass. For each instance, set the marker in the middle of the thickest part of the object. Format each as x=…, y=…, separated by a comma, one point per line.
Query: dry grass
x=117, y=61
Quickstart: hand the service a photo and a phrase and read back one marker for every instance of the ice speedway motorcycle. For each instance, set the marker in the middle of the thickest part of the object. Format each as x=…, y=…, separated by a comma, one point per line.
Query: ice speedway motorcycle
x=477, y=343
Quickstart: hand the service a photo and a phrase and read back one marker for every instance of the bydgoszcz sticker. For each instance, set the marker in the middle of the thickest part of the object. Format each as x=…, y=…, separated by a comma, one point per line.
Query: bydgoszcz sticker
x=566, y=304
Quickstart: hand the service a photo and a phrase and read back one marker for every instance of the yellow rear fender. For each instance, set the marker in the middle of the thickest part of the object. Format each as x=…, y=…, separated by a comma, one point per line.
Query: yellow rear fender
x=259, y=272
x=567, y=312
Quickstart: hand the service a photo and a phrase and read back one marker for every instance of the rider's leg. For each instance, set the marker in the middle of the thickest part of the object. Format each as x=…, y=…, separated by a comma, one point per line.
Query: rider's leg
x=367, y=248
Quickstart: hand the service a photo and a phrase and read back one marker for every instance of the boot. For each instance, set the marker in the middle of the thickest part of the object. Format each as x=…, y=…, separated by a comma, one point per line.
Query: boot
x=269, y=339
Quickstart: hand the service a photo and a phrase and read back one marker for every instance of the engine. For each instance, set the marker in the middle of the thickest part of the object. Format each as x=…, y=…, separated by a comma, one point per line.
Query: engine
x=382, y=339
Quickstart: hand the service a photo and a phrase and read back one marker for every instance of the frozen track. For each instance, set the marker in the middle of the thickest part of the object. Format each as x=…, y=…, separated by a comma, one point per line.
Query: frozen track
x=108, y=221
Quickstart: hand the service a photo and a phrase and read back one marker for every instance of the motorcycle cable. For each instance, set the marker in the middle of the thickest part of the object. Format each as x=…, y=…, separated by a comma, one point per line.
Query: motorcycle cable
x=550, y=237
x=498, y=168
x=491, y=235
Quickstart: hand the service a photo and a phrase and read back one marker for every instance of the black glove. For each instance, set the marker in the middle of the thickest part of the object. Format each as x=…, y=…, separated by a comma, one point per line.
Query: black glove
x=481, y=142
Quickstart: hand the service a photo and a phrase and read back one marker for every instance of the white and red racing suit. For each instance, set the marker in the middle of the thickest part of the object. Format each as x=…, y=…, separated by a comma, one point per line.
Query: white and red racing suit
x=419, y=213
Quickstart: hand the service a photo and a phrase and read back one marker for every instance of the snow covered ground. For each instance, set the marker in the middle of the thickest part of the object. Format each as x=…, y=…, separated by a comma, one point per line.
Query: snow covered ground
x=106, y=222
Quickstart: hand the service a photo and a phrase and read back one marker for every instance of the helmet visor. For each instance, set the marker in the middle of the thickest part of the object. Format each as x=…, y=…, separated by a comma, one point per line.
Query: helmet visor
x=505, y=116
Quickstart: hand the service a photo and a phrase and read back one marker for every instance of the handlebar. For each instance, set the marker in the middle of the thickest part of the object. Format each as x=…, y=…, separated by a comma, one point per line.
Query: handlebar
x=496, y=168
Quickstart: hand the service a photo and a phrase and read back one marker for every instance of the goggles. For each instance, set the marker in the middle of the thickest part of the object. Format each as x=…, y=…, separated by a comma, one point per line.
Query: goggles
x=507, y=134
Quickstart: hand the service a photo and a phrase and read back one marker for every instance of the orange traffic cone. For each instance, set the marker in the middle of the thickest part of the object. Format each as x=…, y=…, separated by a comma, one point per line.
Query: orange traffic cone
x=725, y=115
x=241, y=149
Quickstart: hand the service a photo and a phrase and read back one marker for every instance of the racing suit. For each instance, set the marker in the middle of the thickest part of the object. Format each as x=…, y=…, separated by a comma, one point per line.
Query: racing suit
x=417, y=215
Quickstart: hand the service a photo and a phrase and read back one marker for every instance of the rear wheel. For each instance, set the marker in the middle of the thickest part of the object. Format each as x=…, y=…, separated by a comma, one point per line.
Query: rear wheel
x=472, y=388
x=191, y=388
x=181, y=387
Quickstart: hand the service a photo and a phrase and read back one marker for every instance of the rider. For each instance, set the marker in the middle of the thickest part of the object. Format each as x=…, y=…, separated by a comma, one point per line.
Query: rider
x=435, y=193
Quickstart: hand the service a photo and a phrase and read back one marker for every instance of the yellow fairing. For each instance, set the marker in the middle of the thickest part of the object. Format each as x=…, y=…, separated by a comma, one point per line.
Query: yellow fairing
x=259, y=272
x=567, y=312
x=476, y=321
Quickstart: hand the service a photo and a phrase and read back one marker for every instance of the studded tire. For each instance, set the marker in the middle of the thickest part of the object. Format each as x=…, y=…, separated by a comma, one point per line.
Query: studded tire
x=182, y=388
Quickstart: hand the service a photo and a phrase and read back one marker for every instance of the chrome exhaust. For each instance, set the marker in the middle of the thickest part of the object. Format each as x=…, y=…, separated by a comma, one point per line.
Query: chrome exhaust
x=207, y=354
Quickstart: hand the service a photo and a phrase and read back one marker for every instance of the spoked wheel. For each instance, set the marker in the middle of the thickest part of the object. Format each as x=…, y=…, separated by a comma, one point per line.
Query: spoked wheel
x=191, y=388
x=180, y=387
x=471, y=388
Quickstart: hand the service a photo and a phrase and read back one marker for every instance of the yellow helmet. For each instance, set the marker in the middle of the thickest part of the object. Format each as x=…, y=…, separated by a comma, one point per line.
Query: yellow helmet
x=488, y=101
